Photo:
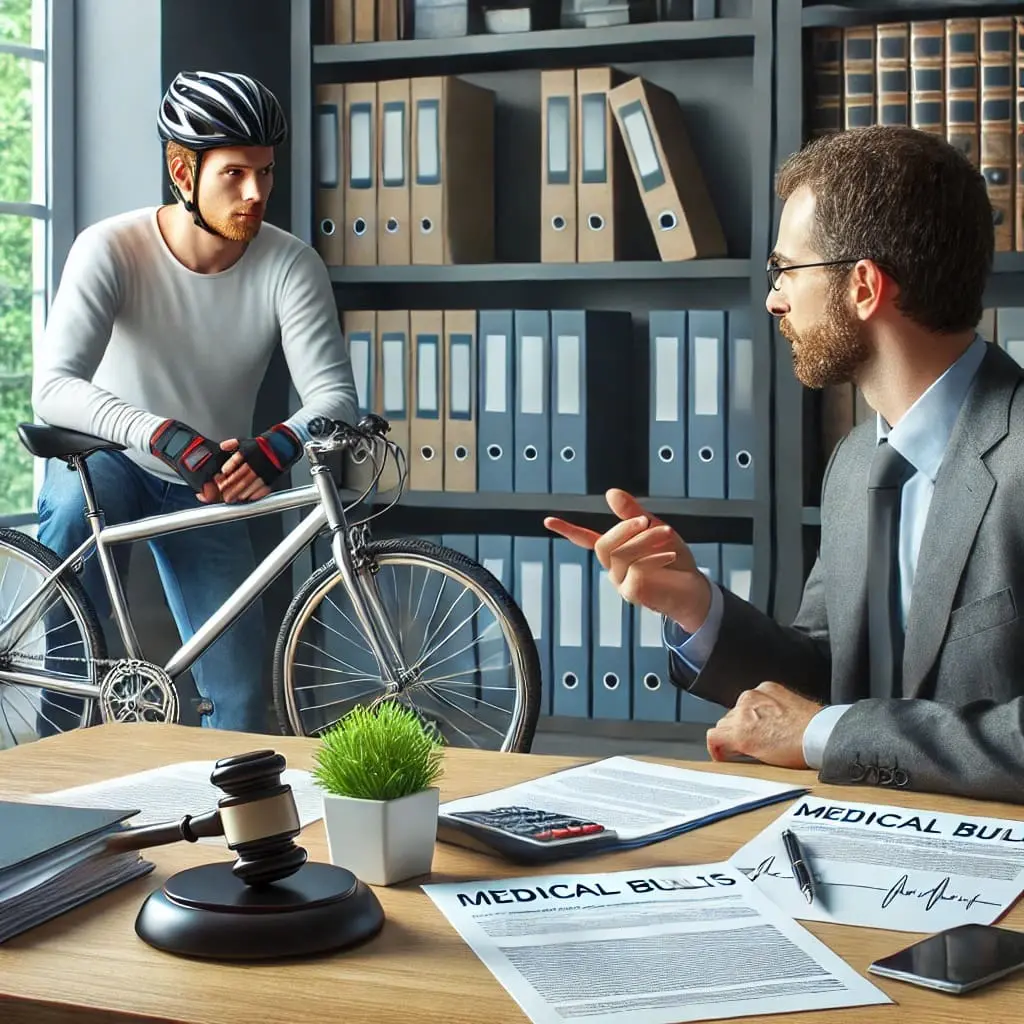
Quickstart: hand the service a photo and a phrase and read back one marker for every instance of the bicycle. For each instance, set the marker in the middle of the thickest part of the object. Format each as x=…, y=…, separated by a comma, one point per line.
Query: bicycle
x=351, y=625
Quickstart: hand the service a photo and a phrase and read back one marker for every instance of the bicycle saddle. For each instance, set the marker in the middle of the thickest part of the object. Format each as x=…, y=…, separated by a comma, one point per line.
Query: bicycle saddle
x=46, y=442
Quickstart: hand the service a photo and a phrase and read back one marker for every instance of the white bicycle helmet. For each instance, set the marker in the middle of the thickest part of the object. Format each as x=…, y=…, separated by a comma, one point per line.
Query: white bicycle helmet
x=204, y=110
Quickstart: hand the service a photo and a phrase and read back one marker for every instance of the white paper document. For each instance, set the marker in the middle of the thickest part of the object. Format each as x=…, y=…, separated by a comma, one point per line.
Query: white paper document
x=899, y=868
x=170, y=792
x=642, y=802
x=647, y=946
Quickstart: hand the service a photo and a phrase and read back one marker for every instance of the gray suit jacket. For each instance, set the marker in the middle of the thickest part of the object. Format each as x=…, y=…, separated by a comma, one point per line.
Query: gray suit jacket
x=962, y=730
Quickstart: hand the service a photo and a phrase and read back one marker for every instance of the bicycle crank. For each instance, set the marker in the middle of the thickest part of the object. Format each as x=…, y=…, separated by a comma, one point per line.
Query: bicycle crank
x=138, y=691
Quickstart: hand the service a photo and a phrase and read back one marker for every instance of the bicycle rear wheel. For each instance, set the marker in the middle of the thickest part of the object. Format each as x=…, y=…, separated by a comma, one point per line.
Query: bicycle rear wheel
x=63, y=639
x=476, y=669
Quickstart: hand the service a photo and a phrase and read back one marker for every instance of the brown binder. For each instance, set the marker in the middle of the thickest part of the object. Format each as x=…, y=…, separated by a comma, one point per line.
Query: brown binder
x=927, y=85
x=339, y=21
x=329, y=233
x=452, y=172
x=604, y=180
x=826, y=114
x=460, y=400
x=1018, y=234
x=558, y=166
x=859, y=76
x=360, y=327
x=962, y=63
x=892, y=80
x=364, y=21
x=997, y=122
x=426, y=433
x=667, y=174
x=388, y=20
x=394, y=245
x=392, y=373
x=361, y=176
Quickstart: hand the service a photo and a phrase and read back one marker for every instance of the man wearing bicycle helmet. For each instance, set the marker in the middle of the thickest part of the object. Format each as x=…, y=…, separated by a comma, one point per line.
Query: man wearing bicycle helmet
x=158, y=339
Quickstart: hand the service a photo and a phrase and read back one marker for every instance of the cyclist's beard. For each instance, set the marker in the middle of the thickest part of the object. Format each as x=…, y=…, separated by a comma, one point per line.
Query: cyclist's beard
x=830, y=351
x=237, y=229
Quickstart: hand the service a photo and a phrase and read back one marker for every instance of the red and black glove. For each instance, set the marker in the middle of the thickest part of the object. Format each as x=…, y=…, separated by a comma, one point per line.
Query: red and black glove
x=195, y=458
x=272, y=453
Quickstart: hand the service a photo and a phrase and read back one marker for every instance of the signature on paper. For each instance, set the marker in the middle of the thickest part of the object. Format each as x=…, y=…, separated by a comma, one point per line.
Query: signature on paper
x=936, y=894
x=932, y=896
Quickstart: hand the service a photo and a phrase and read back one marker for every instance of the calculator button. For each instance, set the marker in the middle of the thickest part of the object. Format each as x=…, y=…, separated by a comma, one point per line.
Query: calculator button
x=546, y=834
x=588, y=829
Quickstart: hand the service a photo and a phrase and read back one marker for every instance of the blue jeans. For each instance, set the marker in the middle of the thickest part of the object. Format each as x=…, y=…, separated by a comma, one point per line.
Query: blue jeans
x=199, y=568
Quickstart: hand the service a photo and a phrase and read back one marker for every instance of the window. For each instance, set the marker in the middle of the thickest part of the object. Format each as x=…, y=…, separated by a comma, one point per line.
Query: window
x=35, y=87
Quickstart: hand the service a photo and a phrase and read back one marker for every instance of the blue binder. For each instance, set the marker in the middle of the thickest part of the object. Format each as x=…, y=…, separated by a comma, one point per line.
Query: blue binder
x=459, y=631
x=739, y=421
x=531, y=558
x=496, y=363
x=612, y=661
x=494, y=553
x=532, y=421
x=592, y=356
x=571, y=630
x=738, y=569
x=706, y=408
x=666, y=461
x=692, y=708
x=655, y=696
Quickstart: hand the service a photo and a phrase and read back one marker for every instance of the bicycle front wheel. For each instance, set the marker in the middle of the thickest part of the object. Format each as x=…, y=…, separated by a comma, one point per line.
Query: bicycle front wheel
x=63, y=640
x=466, y=645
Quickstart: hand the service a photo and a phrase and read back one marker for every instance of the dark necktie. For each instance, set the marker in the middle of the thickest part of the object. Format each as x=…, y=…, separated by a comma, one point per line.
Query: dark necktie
x=889, y=472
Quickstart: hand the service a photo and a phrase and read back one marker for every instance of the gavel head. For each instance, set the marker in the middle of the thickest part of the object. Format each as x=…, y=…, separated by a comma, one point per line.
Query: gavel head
x=259, y=816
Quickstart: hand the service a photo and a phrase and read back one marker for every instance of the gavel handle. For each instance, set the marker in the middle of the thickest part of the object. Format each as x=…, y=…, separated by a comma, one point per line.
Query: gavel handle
x=189, y=828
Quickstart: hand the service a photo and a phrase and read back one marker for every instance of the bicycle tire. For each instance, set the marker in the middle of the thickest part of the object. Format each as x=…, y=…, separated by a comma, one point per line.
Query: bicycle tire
x=74, y=595
x=446, y=558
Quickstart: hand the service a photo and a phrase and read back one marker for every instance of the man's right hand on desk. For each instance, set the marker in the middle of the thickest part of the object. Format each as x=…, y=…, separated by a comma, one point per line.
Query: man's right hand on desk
x=648, y=562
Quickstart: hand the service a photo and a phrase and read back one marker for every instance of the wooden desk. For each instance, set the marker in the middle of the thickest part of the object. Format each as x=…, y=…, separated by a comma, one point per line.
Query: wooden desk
x=88, y=966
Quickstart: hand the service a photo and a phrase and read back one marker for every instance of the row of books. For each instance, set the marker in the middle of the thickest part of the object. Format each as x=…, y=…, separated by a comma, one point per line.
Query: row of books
x=962, y=78
x=405, y=172
x=367, y=21
x=843, y=406
x=534, y=400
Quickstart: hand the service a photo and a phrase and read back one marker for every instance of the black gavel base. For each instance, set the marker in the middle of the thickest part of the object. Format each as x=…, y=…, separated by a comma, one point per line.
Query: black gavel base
x=208, y=913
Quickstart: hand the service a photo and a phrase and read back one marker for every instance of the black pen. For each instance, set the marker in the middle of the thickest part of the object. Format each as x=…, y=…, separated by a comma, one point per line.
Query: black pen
x=801, y=870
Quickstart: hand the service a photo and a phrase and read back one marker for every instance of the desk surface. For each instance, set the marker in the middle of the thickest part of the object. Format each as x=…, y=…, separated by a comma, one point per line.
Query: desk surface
x=88, y=966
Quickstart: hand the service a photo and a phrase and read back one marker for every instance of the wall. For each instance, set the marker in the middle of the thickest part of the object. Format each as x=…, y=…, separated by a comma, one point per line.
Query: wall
x=127, y=52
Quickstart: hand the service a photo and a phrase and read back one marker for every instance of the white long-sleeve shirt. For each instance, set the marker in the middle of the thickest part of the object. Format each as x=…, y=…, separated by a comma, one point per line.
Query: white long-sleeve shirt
x=134, y=337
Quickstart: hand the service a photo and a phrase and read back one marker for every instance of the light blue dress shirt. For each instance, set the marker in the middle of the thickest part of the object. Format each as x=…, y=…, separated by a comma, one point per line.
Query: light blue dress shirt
x=921, y=437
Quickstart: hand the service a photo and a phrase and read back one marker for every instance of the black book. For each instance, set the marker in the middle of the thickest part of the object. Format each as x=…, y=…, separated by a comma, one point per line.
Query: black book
x=54, y=858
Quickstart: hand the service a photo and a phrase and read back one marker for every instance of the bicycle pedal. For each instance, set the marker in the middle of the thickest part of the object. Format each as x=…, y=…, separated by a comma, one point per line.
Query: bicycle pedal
x=203, y=707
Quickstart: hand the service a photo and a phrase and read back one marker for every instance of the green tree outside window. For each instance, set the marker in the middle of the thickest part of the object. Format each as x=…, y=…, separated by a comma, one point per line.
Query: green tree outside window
x=16, y=470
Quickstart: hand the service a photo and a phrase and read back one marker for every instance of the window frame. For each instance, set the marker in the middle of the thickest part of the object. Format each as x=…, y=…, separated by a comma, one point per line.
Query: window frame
x=57, y=213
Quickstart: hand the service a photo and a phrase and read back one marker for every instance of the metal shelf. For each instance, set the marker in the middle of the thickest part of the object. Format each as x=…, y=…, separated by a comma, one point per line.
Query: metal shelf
x=438, y=512
x=495, y=273
x=719, y=37
x=838, y=15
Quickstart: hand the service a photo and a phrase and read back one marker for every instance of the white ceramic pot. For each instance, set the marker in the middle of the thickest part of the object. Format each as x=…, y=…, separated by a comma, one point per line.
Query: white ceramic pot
x=382, y=841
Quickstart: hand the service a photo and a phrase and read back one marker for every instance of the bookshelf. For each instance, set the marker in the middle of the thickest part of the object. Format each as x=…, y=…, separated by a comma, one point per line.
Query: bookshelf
x=798, y=476
x=722, y=70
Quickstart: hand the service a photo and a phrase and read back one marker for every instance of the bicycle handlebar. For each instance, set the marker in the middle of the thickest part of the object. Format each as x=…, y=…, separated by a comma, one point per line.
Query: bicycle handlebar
x=324, y=430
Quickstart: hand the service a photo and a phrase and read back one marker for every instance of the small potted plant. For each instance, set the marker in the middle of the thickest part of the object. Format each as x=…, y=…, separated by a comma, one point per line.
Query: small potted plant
x=377, y=768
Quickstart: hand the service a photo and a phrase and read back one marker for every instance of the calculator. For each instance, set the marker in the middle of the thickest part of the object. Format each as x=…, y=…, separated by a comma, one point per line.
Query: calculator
x=528, y=835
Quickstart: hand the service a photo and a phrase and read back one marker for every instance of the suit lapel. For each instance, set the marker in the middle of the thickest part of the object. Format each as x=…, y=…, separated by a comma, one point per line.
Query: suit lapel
x=963, y=489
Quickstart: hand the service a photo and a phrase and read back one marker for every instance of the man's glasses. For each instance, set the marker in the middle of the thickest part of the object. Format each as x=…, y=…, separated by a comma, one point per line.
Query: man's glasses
x=775, y=272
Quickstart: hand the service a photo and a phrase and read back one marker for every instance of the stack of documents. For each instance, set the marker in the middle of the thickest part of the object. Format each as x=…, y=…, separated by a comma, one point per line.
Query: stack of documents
x=53, y=858
x=644, y=803
x=898, y=868
x=647, y=946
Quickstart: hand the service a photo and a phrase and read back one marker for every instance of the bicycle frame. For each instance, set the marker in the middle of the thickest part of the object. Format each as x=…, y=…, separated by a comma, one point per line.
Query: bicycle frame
x=329, y=513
